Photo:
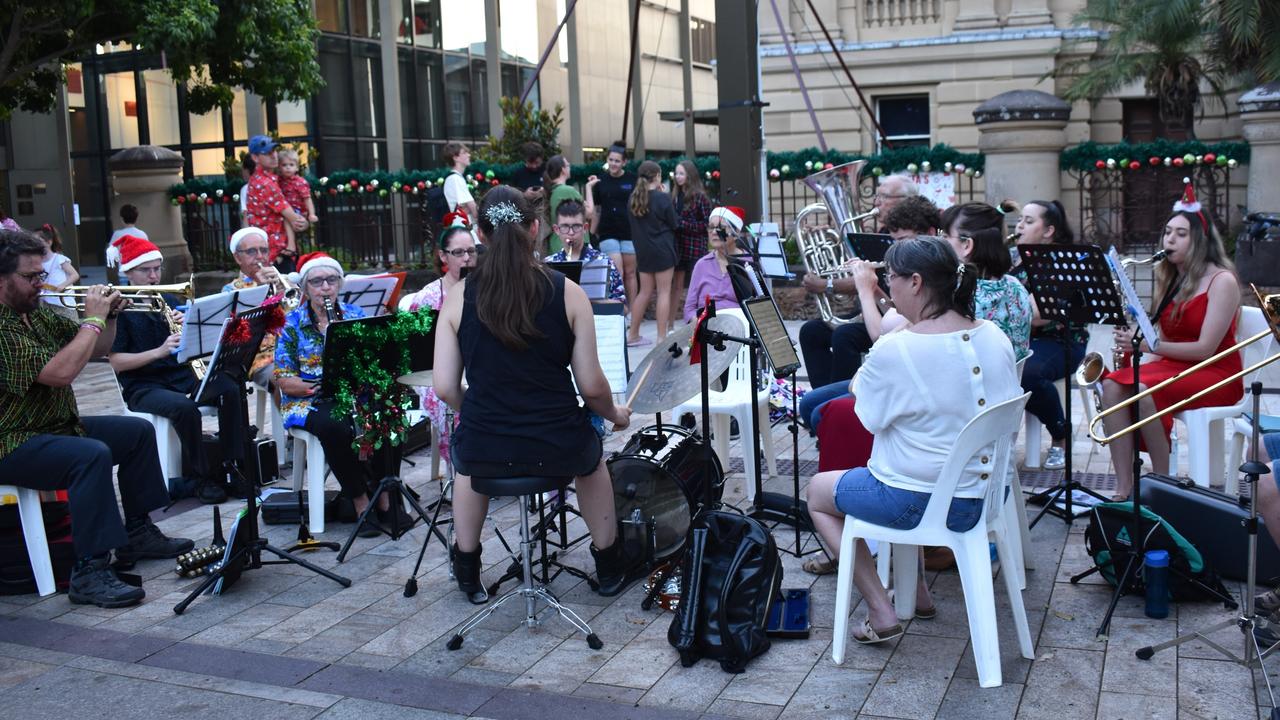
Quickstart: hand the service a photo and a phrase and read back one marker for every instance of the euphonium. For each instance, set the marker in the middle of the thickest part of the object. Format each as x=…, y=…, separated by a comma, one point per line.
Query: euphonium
x=824, y=250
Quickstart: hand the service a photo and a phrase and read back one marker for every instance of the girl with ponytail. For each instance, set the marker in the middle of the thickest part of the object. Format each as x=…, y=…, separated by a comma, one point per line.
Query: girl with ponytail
x=653, y=230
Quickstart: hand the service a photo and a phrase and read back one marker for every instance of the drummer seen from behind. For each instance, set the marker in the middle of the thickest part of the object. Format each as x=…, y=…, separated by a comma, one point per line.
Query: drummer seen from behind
x=517, y=328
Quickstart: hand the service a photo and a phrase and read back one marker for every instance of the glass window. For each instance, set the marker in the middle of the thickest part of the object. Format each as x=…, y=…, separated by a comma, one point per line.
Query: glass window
x=337, y=108
x=364, y=18
x=373, y=155
x=462, y=23
x=206, y=128
x=518, y=30
x=338, y=155
x=162, y=107
x=425, y=22
x=457, y=93
x=291, y=119
x=208, y=163
x=702, y=41
x=408, y=94
x=430, y=96
x=511, y=81
x=331, y=15
x=122, y=109
x=904, y=119
x=527, y=74
x=240, y=115
x=480, y=100
x=366, y=73
x=75, y=86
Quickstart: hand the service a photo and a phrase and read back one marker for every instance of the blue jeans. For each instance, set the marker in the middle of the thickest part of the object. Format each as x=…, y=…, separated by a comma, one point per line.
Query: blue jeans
x=811, y=404
x=859, y=494
x=1042, y=370
x=610, y=246
x=832, y=355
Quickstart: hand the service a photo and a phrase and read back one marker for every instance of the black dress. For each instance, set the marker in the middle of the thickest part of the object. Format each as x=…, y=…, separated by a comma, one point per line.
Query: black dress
x=520, y=414
x=654, y=234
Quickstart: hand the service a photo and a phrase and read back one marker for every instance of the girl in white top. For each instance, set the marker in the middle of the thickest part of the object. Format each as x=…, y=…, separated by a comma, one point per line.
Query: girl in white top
x=917, y=389
x=59, y=268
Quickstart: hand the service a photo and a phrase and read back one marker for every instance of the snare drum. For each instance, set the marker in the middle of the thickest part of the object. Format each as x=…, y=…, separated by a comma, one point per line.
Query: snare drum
x=665, y=476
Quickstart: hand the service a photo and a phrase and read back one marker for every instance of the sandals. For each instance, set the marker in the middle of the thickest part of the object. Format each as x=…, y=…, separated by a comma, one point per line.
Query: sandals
x=928, y=613
x=820, y=565
x=868, y=635
x=639, y=342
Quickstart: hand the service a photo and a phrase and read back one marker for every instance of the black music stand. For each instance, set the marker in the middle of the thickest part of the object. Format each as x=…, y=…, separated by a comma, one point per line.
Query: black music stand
x=345, y=345
x=241, y=338
x=1072, y=285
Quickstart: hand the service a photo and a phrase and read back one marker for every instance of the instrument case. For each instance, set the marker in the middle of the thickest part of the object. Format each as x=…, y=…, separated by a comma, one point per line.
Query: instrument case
x=281, y=508
x=1214, y=523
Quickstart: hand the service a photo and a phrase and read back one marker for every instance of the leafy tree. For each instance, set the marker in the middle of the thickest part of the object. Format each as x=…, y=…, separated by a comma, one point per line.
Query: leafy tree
x=213, y=46
x=1175, y=46
x=522, y=124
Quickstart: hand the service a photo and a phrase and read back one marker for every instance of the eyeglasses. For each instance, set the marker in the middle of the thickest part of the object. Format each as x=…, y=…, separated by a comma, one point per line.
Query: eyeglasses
x=462, y=252
x=35, y=278
x=157, y=270
x=889, y=196
x=570, y=229
x=316, y=282
x=252, y=251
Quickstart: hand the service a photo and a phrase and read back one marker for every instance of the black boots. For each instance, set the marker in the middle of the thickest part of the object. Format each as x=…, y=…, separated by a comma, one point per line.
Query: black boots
x=94, y=582
x=146, y=541
x=466, y=569
x=614, y=570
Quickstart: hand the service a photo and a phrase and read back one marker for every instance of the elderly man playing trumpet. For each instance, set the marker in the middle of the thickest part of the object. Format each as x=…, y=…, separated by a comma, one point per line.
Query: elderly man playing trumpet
x=249, y=247
x=46, y=445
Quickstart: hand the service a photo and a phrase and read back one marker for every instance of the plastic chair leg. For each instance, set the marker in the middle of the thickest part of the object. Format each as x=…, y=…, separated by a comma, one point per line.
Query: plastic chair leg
x=262, y=399
x=906, y=569
x=973, y=559
x=34, y=536
x=277, y=432
x=435, y=452
x=1231, y=474
x=766, y=441
x=1005, y=549
x=315, y=487
x=844, y=588
x=1032, y=435
x=749, y=459
x=884, y=560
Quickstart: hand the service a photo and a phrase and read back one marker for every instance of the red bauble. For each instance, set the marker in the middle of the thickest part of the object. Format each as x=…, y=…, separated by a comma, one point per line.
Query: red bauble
x=182, y=199
x=369, y=188
x=422, y=185
x=494, y=182
x=1134, y=164
x=715, y=174
x=208, y=201
x=1154, y=161
x=1100, y=164
x=479, y=177
x=1210, y=158
x=1177, y=162
x=333, y=191
x=354, y=184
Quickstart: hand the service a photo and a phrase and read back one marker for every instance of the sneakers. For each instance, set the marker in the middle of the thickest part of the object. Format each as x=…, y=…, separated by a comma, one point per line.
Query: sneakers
x=1267, y=603
x=1057, y=458
x=1266, y=633
x=93, y=582
x=146, y=541
x=210, y=492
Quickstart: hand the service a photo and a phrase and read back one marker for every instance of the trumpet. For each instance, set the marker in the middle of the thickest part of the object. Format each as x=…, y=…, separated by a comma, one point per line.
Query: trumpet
x=142, y=298
x=1270, y=305
x=290, y=294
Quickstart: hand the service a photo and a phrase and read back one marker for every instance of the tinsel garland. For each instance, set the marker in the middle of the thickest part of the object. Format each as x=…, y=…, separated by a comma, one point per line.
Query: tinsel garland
x=1091, y=156
x=366, y=391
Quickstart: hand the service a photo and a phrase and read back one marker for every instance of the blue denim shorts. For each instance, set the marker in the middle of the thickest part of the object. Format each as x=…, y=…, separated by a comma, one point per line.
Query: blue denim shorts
x=1271, y=441
x=858, y=493
x=619, y=247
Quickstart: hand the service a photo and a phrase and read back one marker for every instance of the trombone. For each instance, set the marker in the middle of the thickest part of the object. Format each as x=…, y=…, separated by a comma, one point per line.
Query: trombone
x=1270, y=305
x=142, y=298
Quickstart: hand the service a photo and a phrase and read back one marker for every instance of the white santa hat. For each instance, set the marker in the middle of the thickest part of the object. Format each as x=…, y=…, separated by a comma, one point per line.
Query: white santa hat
x=131, y=251
x=732, y=216
x=313, y=261
x=243, y=234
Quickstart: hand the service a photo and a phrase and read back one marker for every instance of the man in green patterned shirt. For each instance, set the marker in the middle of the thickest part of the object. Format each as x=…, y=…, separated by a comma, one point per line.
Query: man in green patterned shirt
x=46, y=445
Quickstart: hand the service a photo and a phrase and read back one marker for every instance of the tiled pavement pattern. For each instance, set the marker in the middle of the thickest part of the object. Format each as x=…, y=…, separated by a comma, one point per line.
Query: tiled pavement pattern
x=284, y=643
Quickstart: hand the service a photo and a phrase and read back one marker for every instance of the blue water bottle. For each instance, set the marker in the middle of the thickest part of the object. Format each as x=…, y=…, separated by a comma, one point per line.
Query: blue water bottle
x=1156, y=576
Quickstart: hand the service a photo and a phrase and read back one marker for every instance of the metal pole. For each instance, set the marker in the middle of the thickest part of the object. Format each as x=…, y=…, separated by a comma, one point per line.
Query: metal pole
x=795, y=69
x=493, y=66
x=575, y=105
x=839, y=58
x=686, y=70
x=637, y=86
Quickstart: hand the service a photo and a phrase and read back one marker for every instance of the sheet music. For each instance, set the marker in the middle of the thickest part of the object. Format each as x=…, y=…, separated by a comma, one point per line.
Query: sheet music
x=375, y=294
x=773, y=259
x=611, y=348
x=203, y=318
x=595, y=279
x=1133, y=303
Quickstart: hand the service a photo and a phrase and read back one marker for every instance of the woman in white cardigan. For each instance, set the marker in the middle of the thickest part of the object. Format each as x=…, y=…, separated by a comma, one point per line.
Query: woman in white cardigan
x=917, y=389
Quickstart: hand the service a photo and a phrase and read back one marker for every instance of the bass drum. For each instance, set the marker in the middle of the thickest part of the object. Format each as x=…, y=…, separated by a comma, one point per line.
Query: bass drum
x=663, y=476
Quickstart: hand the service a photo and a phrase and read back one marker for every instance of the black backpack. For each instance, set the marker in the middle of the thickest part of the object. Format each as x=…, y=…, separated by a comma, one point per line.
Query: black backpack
x=1108, y=536
x=731, y=575
x=436, y=203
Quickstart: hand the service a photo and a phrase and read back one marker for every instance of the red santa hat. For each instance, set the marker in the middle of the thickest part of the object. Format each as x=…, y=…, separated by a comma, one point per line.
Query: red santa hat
x=732, y=216
x=243, y=234
x=313, y=261
x=457, y=218
x=131, y=251
x=1189, y=204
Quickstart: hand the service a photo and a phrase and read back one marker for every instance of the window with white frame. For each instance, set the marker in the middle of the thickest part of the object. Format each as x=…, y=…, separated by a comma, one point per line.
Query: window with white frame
x=904, y=120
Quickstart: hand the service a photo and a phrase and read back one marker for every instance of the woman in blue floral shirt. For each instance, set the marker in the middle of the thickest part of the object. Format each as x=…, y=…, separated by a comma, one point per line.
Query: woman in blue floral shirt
x=976, y=231
x=299, y=367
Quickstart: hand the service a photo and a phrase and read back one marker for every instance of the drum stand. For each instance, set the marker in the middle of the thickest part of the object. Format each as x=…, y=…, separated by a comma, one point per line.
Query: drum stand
x=1254, y=654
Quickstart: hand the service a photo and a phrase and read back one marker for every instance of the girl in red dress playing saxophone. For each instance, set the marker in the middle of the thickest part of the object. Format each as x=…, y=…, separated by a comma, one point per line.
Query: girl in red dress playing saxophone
x=1197, y=321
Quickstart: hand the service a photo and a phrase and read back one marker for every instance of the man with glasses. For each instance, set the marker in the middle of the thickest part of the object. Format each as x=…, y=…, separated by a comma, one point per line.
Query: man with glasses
x=572, y=228
x=151, y=380
x=46, y=445
x=249, y=247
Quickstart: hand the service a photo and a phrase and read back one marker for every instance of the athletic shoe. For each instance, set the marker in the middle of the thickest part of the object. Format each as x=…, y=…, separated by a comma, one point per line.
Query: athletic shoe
x=146, y=541
x=93, y=582
x=1267, y=603
x=210, y=492
x=1057, y=458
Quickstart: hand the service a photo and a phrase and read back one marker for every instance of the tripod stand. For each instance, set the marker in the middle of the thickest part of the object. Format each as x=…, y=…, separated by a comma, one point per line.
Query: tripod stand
x=1253, y=652
x=245, y=549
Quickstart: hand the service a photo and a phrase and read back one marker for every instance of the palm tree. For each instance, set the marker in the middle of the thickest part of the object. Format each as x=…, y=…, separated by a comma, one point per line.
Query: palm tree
x=1238, y=41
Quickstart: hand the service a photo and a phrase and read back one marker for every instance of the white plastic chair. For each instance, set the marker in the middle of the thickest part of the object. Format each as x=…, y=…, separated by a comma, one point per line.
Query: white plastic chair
x=168, y=446
x=1240, y=430
x=995, y=427
x=33, y=535
x=1206, y=427
x=1034, y=453
x=267, y=404
x=735, y=401
x=308, y=464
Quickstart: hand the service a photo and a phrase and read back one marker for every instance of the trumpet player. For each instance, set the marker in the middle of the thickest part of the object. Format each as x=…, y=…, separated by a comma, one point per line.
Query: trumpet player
x=249, y=246
x=143, y=355
x=1196, y=318
x=46, y=445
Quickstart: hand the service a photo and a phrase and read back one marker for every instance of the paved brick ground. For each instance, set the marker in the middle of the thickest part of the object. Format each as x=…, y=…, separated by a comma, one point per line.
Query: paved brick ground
x=285, y=643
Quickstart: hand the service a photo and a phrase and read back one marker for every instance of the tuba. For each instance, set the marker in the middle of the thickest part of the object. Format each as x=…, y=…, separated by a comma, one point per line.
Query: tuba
x=823, y=249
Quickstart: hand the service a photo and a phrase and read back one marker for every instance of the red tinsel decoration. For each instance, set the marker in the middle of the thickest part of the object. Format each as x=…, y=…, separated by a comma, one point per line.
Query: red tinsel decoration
x=276, y=321
x=239, y=334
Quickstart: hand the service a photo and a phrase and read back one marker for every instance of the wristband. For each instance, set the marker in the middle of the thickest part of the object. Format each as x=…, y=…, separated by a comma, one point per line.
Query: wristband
x=96, y=322
x=97, y=330
x=831, y=284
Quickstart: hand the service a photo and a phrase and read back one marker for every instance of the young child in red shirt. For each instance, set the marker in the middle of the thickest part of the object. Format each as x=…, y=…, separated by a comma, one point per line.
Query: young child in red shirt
x=296, y=190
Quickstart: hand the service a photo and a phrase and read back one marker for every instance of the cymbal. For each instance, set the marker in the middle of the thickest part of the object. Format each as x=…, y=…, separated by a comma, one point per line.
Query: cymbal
x=673, y=379
x=422, y=378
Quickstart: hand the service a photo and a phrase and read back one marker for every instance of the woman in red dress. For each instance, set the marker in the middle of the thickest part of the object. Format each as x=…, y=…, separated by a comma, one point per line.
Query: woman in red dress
x=1197, y=322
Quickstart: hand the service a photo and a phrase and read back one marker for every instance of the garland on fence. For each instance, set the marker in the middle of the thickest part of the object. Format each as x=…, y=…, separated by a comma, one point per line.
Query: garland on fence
x=1090, y=156
x=782, y=166
x=361, y=377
